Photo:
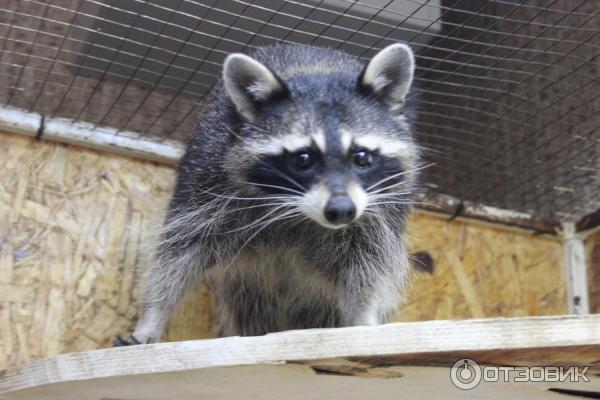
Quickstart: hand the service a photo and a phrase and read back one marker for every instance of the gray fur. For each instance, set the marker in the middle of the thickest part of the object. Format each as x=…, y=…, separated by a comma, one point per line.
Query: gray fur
x=271, y=267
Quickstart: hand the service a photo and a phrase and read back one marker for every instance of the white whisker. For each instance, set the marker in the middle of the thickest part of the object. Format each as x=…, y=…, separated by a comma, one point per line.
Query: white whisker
x=254, y=223
x=397, y=175
x=390, y=202
x=388, y=195
x=233, y=210
x=279, y=197
x=286, y=215
x=275, y=187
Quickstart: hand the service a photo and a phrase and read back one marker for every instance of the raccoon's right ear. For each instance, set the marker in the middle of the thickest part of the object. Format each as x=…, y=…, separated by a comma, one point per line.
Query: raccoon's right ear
x=250, y=84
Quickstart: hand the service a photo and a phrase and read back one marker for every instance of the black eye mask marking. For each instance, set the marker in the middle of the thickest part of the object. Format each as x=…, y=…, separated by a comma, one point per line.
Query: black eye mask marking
x=283, y=170
x=381, y=167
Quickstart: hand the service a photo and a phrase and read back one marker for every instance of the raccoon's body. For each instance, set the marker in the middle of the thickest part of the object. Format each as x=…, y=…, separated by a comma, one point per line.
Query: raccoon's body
x=292, y=195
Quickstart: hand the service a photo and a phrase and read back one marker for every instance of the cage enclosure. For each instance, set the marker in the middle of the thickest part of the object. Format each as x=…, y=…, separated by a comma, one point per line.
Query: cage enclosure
x=98, y=97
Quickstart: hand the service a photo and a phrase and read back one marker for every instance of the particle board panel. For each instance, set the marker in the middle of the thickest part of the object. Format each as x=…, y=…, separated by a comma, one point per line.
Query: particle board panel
x=72, y=227
x=482, y=270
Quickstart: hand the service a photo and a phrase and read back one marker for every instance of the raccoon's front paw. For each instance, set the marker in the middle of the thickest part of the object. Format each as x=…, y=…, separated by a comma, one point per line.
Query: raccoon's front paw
x=119, y=341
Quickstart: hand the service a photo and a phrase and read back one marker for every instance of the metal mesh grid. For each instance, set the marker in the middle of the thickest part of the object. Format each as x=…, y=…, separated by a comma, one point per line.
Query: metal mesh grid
x=507, y=90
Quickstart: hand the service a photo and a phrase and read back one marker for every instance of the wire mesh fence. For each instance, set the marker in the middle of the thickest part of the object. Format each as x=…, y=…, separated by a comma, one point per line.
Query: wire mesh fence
x=507, y=91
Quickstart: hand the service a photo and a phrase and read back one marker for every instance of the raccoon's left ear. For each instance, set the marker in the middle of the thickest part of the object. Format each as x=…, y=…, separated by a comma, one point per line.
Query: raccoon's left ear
x=250, y=84
x=389, y=74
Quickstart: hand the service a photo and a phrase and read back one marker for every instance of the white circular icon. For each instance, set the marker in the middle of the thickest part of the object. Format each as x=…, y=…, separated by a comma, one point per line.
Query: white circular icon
x=465, y=374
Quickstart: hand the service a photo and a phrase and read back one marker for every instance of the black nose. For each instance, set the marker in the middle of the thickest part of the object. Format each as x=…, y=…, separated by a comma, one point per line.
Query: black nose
x=340, y=210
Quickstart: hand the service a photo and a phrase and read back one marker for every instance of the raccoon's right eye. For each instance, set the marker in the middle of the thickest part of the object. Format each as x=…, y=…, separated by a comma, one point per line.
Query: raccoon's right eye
x=303, y=160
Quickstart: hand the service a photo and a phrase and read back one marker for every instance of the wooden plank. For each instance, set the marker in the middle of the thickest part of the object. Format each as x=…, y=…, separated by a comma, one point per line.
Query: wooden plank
x=575, y=268
x=343, y=363
x=80, y=133
x=454, y=207
x=592, y=245
x=588, y=222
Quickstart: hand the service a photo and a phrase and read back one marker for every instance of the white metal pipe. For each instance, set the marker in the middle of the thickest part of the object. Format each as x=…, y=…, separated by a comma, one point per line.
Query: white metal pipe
x=69, y=131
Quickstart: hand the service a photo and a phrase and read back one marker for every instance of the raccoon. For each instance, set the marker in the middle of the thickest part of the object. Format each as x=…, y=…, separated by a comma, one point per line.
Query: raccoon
x=292, y=196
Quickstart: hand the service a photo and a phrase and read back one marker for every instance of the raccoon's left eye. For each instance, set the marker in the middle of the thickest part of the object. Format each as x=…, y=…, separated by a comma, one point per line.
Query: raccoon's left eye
x=362, y=158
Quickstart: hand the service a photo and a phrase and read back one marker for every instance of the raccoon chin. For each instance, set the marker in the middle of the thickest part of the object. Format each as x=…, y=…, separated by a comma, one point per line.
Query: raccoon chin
x=334, y=227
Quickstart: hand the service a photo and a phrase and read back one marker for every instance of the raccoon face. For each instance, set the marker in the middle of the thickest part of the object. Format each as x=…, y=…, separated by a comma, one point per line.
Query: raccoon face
x=331, y=147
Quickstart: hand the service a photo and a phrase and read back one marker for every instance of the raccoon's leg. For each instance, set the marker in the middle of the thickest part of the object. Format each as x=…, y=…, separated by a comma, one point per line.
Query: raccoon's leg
x=356, y=306
x=166, y=283
x=374, y=297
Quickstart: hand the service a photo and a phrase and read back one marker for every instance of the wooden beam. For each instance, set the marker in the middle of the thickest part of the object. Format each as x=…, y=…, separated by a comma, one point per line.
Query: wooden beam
x=588, y=222
x=80, y=133
x=456, y=208
x=343, y=363
x=575, y=271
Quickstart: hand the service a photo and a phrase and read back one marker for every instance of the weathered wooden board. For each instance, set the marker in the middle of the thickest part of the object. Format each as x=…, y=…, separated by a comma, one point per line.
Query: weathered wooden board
x=592, y=245
x=383, y=362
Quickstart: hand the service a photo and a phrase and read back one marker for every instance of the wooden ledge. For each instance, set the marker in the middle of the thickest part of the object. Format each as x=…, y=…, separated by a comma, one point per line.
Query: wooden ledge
x=343, y=363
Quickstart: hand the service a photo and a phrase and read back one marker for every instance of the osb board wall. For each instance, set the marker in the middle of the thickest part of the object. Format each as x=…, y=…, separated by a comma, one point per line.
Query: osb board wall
x=592, y=247
x=483, y=271
x=70, y=223
x=71, y=228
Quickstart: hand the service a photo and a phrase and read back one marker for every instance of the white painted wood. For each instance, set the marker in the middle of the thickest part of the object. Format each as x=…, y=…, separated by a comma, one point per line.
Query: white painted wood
x=575, y=270
x=385, y=362
x=84, y=134
x=19, y=121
